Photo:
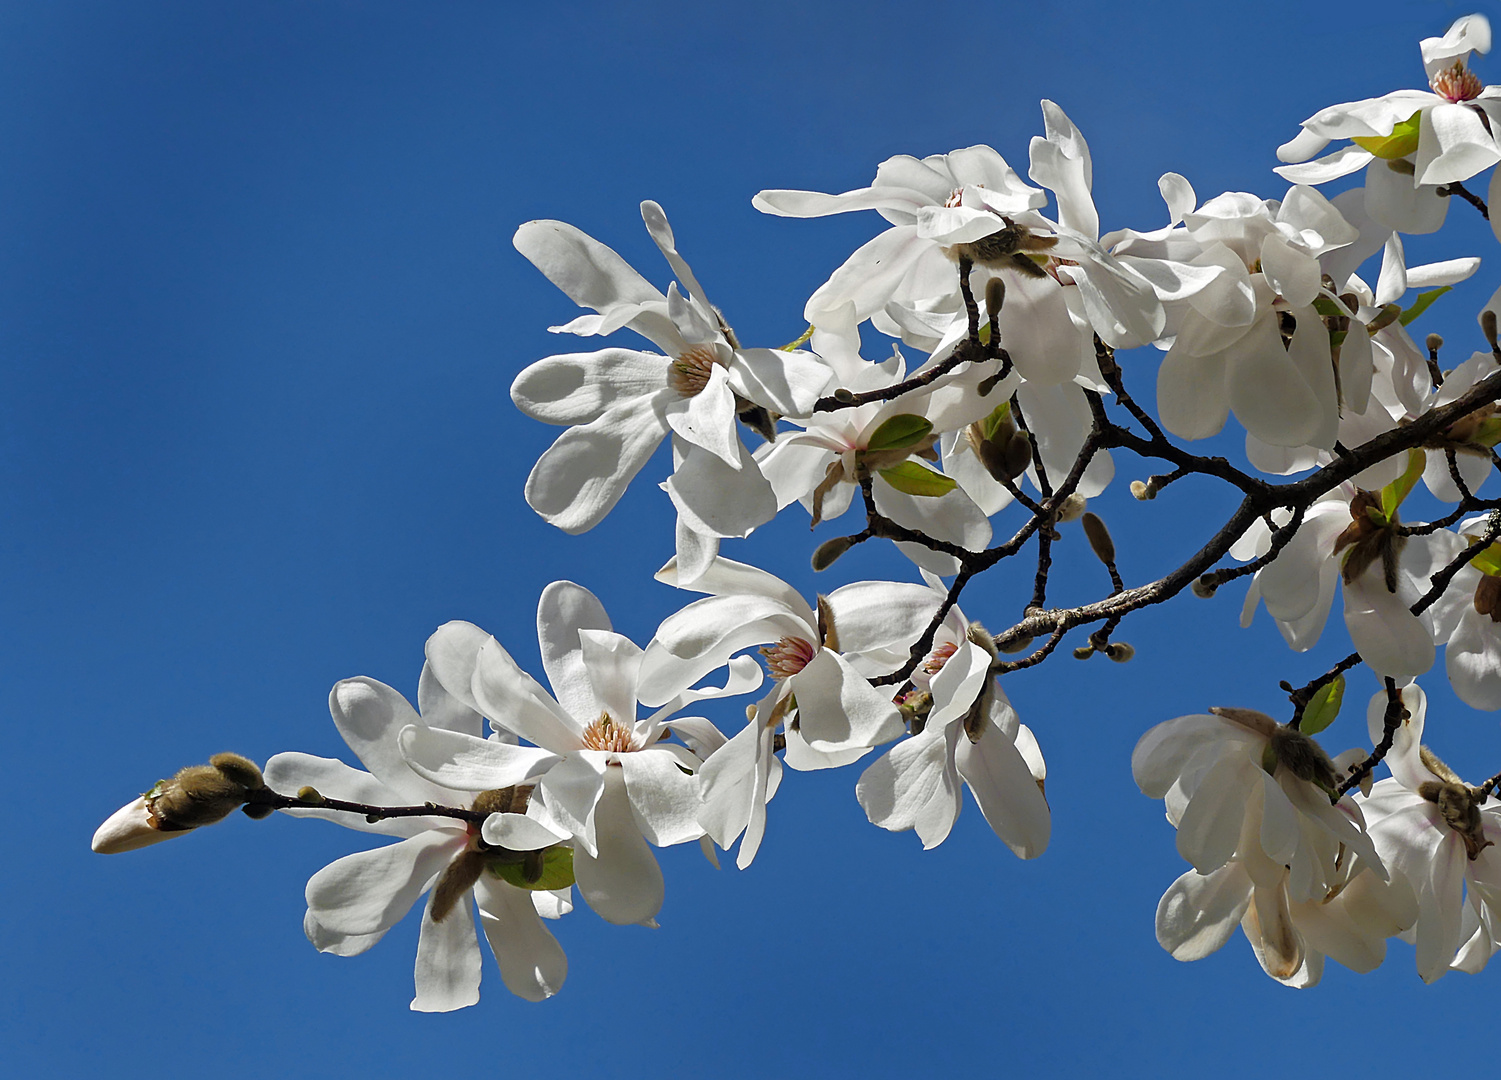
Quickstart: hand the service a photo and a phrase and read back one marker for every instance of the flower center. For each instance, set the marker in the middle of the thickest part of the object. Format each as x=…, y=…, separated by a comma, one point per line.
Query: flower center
x=689, y=373
x=939, y=656
x=607, y=733
x=788, y=656
x=1457, y=83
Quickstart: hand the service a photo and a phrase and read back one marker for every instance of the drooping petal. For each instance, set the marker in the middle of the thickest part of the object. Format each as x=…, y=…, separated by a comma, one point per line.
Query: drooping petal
x=914, y=786
x=1008, y=795
x=532, y=963
x=623, y=883
x=369, y=891
x=838, y=709
x=1199, y=912
x=448, y=961
x=663, y=798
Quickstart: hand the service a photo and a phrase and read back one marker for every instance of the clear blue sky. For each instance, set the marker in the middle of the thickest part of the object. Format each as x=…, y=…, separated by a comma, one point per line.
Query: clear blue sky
x=259, y=312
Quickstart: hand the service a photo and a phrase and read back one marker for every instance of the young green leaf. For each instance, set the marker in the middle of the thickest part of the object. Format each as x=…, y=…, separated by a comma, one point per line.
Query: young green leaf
x=899, y=432
x=1402, y=141
x=1323, y=707
x=557, y=871
x=998, y=416
x=910, y=478
x=1393, y=494
x=1420, y=305
x=1489, y=560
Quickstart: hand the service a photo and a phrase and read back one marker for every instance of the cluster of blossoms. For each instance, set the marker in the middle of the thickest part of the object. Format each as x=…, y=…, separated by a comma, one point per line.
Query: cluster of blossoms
x=1017, y=305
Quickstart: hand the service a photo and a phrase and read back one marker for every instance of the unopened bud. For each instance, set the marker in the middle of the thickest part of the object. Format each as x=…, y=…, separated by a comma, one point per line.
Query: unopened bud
x=844, y=395
x=981, y=637
x=1139, y=490
x=1488, y=326
x=1119, y=651
x=1435, y=342
x=196, y=796
x=995, y=296
x=1099, y=538
x=1072, y=507
x=1203, y=588
x=1083, y=652
x=257, y=811
x=1384, y=318
x=309, y=794
x=825, y=555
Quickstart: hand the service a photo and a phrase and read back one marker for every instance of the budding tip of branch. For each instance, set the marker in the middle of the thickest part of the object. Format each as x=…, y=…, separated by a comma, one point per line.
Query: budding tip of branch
x=828, y=552
x=1072, y=507
x=1099, y=537
x=1140, y=491
x=1488, y=326
x=1084, y=652
x=843, y=395
x=1435, y=342
x=995, y=296
x=1203, y=588
x=1119, y=651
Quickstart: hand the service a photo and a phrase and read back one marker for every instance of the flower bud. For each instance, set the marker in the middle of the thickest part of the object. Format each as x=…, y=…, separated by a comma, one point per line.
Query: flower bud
x=1203, y=588
x=995, y=296
x=825, y=555
x=1119, y=651
x=1072, y=507
x=1140, y=491
x=1488, y=327
x=309, y=794
x=1434, y=342
x=1099, y=538
x=128, y=828
x=196, y=796
x=844, y=396
x=1083, y=652
x=1021, y=644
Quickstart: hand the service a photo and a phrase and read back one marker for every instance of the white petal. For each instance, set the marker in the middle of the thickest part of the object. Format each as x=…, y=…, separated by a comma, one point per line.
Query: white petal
x=448, y=962
x=1199, y=912
x=370, y=891
x=531, y=961
x=623, y=884
x=1004, y=787
x=915, y=786
x=564, y=609
x=838, y=709
x=663, y=797
x=370, y=715
x=469, y=763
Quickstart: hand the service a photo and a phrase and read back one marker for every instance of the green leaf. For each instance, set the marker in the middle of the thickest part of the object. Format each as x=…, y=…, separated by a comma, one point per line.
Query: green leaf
x=1329, y=309
x=998, y=416
x=1420, y=305
x=1323, y=707
x=1393, y=494
x=910, y=478
x=899, y=432
x=557, y=871
x=1488, y=431
x=1489, y=560
x=1337, y=338
x=1402, y=141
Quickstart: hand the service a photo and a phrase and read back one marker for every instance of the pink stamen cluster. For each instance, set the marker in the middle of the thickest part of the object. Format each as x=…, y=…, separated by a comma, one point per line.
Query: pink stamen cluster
x=608, y=734
x=1457, y=83
x=939, y=656
x=788, y=656
x=690, y=372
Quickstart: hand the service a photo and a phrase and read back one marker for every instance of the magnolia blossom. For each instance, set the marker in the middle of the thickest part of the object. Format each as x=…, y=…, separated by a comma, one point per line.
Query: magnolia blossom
x=1250, y=800
x=1349, y=535
x=1468, y=618
x=1443, y=133
x=1441, y=835
x=612, y=784
x=619, y=403
x=830, y=712
x=966, y=732
x=353, y=901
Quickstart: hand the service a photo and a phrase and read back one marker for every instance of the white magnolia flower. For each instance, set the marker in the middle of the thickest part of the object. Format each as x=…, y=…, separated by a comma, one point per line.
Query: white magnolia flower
x=830, y=712
x=1468, y=618
x=611, y=784
x=619, y=403
x=353, y=901
x=970, y=736
x=1350, y=536
x=1445, y=132
x=1442, y=836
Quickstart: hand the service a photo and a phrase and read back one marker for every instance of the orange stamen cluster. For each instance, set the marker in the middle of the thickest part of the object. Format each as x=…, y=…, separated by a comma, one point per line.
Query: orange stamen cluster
x=607, y=733
x=1457, y=83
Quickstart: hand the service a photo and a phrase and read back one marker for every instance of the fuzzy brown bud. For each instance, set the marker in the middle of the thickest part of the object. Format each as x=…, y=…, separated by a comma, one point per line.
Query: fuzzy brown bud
x=995, y=296
x=828, y=552
x=1488, y=327
x=1140, y=490
x=1434, y=342
x=1203, y=588
x=1099, y=537
x=843, y=396
x=1083, y=652
x=1119, y=651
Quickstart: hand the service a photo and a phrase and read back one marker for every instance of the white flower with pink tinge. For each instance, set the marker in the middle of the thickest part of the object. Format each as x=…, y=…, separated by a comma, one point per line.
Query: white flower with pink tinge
x=970, y=737
x=1452, y=140
x=619, y=403
x=614, y=785
x=830, y=713
x=353, y=901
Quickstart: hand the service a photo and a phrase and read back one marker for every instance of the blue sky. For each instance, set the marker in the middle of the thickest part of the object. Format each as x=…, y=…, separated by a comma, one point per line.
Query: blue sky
x=259, y=313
